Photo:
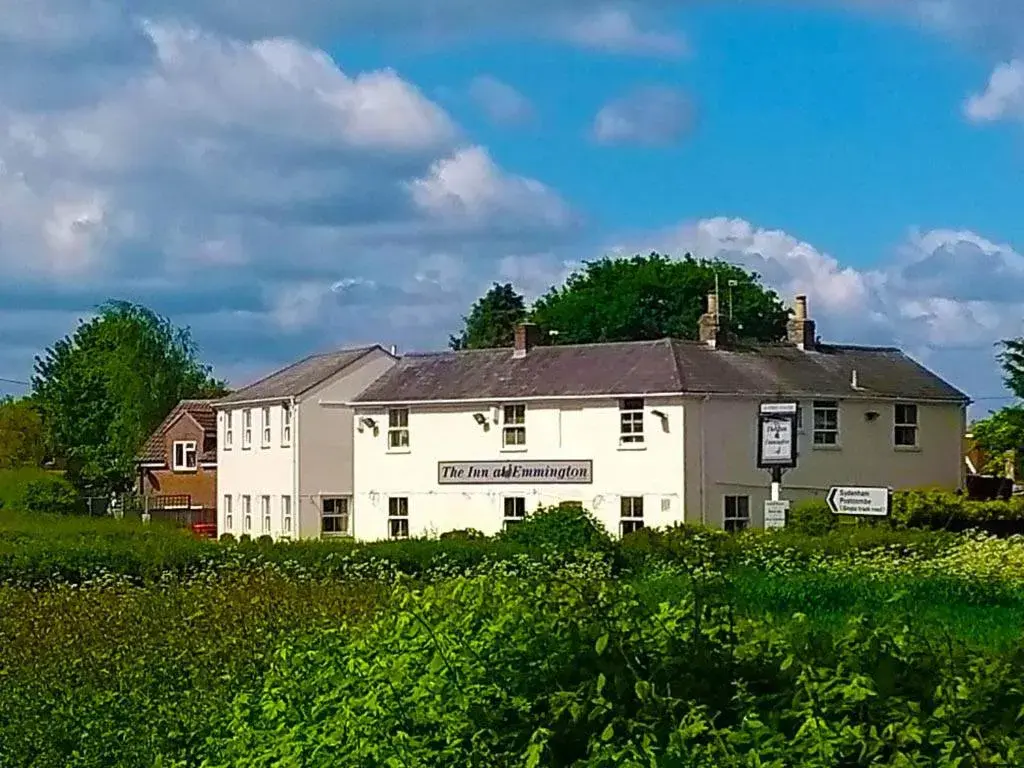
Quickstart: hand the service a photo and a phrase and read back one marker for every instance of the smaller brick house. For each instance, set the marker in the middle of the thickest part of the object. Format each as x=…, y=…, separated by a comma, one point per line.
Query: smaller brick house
x=178, y=465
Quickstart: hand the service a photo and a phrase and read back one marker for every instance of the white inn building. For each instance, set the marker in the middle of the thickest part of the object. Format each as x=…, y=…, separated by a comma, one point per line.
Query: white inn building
x=642, y=433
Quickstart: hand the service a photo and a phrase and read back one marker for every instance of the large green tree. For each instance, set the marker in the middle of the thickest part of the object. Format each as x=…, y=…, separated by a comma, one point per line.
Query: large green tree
x=22, y=440
x=104, y=388
x=651, y=297
x=492, y=320
x=1003, y=431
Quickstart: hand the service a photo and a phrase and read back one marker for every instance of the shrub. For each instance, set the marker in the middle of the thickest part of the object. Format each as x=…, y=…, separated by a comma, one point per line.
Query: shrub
x=930, y=508
x=52, y=495
x=811, y=516
x=564, y=528
x=265, y=539
x=228, y=538
x=463, y=534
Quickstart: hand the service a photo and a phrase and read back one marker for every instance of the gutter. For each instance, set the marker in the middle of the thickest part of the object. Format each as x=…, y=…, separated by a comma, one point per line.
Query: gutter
x=861, y=397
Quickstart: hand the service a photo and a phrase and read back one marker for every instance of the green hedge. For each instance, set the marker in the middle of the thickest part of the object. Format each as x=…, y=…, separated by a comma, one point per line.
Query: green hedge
x=927, y=508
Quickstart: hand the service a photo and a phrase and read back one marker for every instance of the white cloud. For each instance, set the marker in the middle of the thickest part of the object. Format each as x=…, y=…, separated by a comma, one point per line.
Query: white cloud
x=651, y=115
x=615, y=30
x=1003, y=97
x=502, y=103
x=468, y=188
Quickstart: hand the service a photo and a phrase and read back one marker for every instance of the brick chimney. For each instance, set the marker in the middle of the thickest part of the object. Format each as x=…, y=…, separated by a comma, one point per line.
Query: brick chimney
x=710, y=323
x=527, y=337
x=800, y=330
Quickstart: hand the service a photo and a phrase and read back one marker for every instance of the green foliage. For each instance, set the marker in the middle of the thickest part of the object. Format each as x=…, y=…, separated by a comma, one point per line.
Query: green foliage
x=651, y=297
x=103, y=389
x=52, y=495
x=463, y=534
x=939, y=509
x=1011, y=359
x=563, y=528
x=22, y=439
x=492, y=320
x=998, y=437
x=576, y=669
x=13, y=483
x=811, y=516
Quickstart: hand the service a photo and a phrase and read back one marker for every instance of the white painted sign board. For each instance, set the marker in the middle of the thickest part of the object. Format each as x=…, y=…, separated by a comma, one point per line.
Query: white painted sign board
x=868, y=502
x=785, y=408
x=775, y=513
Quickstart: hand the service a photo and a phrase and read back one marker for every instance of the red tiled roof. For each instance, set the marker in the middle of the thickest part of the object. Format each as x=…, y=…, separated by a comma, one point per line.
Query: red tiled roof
x=153, y=452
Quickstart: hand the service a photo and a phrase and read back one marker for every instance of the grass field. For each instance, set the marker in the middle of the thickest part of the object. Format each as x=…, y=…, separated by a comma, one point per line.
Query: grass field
x=133, y=645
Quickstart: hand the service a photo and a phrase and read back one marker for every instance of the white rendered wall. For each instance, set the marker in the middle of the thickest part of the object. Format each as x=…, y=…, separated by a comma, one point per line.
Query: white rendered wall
x=556, y=431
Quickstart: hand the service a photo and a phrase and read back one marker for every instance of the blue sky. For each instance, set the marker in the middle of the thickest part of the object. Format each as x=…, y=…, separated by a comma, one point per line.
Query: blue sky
x=297, y=176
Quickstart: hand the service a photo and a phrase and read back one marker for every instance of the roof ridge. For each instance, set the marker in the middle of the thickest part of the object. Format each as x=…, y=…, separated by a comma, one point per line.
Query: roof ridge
x=675, y=363
x=363, y=352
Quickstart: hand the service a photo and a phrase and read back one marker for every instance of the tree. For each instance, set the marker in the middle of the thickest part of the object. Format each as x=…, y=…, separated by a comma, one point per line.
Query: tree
x=103, y=389
x=998, y=437
x=492, y=320
x=1011, y=359
x=651, y=297
x=22, y=439
x=1002, y=433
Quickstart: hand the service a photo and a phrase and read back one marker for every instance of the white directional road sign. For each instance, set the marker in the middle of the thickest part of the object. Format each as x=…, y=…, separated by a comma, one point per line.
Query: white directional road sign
x=869, y=502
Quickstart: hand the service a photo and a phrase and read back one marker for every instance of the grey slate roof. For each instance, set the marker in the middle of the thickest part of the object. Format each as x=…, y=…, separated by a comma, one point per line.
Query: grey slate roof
x=298, y=378
x=153, y=452
x=662, y=366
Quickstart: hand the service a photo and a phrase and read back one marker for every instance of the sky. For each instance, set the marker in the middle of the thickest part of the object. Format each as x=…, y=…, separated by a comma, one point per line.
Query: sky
x=290, y=177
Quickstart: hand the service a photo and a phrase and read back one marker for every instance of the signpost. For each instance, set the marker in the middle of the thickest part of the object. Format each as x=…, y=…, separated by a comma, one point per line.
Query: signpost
x=775, y=514
x=860, y=501
x=776, y=441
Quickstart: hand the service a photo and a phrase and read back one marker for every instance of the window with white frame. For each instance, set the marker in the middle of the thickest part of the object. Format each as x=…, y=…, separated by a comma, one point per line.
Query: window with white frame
x=286, y=424
x=286, y=515
x=631, y=514
x=229, y=519
x=826, y=422
x=737, y=513
x=398, y=428
x=335, y=517
x=514, y=510
x=247, y=513
x=513, y=426
x=905, y=426
x=265, y=426
x=184, y=459
x=398, y=517
x=229, y=432
x=631, y=421
x=246, y=428
x=265, y=511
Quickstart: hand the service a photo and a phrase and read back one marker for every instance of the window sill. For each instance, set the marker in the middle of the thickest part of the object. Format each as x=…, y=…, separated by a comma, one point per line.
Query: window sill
x=399, y=451
x=514, y=449
x=265, y=446
x=184, y=470
x=632, y=446
x=246, y=447
x=907, y=448
x=826, y=447
x=286, y=445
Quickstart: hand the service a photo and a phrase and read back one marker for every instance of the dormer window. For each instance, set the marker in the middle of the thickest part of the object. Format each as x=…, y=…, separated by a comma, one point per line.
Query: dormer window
x=184, y=456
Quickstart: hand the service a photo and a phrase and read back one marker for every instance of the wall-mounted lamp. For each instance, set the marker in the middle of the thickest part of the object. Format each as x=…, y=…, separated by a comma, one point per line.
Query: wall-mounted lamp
x=480, y=419
x=367, y=421
x=871, y=415
x=660, y=414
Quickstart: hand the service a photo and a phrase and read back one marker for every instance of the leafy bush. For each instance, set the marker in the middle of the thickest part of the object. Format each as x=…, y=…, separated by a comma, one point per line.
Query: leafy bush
x=228, y=538
x=811, y=516
x=564, y=528
x=52, y=495
x=930, y=508
x=463, y=534
x=578, y=670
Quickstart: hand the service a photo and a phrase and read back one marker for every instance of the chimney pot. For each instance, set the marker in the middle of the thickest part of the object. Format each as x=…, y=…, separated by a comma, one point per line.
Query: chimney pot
x=527, y=337
x=801, y=307
x=801, y=330
x=713, y=304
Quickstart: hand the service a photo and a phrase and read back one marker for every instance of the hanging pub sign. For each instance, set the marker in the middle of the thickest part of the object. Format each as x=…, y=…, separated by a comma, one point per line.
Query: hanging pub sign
x=776, y=435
